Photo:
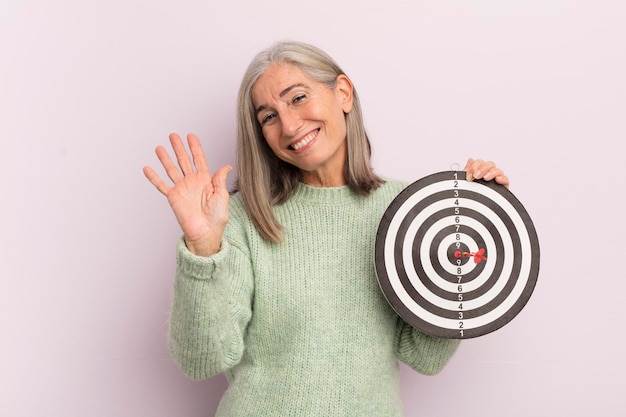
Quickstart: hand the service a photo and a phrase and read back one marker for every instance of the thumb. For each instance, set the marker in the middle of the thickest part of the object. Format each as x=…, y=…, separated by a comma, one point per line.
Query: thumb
x=220, y=177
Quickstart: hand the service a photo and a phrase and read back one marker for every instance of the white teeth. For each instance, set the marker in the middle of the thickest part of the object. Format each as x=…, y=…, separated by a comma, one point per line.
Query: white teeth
x=305, y=141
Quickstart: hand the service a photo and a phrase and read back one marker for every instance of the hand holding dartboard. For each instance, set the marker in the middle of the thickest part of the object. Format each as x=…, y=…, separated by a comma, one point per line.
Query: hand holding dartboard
x=456, y=258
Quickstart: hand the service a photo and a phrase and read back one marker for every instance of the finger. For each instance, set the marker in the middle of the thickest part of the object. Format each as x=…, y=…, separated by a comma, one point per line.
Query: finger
x=219, y=179
x=493, y=172
x=503, y=180
x=197, y=153
x=479, y=168
x=168, y=164
x=181, y=154
x=154, y=178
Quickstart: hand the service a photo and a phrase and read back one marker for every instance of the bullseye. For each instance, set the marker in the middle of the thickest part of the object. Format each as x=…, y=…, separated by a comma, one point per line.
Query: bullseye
x=456, y=258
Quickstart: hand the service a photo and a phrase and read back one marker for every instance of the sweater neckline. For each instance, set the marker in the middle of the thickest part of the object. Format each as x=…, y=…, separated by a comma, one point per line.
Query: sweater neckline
x=323, y=195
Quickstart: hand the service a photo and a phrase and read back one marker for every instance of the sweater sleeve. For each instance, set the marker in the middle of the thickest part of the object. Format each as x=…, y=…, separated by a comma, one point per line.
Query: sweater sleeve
x=211, y=309
x=424, y=353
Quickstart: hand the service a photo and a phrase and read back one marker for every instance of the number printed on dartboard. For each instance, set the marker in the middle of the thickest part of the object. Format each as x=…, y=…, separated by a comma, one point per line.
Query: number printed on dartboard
x=459, y=261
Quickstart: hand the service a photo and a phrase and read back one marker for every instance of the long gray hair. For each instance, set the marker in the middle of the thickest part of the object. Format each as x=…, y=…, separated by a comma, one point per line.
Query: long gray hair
x=265, y=180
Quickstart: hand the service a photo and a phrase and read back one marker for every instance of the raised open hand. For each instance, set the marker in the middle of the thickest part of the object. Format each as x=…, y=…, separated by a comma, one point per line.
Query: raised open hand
x=199, y=200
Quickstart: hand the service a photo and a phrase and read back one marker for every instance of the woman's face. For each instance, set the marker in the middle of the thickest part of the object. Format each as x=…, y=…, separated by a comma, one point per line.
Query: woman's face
x=303, y=121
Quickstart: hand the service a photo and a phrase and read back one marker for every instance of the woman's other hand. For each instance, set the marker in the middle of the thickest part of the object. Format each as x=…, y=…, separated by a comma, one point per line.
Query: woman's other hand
x=485, y=170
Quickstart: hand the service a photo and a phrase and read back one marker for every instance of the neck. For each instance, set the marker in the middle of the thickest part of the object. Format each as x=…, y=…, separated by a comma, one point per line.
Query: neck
x=318, y=179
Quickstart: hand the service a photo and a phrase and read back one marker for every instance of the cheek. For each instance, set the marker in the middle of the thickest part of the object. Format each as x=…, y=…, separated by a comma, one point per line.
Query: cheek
x=267, y=134
x=340, y=125
x=272, y=138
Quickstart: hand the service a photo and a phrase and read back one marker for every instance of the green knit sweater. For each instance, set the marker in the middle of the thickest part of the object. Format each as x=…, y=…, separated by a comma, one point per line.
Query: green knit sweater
x=300, y=328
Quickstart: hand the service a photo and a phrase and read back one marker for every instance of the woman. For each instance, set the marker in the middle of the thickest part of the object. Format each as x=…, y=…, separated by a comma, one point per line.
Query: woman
x=275, y=285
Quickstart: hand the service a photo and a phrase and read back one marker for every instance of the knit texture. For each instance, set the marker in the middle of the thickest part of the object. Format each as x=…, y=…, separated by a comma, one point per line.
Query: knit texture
x=300, y=328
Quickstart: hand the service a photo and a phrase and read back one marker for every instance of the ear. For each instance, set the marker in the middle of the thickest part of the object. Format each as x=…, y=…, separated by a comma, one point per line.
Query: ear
x=345, y=92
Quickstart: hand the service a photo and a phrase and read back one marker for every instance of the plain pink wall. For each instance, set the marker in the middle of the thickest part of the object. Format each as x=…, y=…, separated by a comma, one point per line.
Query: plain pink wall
x=88, y=89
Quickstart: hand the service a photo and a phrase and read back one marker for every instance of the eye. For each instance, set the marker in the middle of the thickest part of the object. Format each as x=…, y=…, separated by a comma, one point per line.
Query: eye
x=267, y=118
x=299, y=98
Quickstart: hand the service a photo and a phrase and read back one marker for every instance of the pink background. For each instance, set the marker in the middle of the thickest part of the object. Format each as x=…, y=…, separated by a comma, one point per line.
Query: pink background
x=88, y=89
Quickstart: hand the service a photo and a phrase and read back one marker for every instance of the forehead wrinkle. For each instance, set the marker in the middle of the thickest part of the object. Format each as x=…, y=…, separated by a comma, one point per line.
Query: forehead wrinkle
x=291, y=87
x=282, y=94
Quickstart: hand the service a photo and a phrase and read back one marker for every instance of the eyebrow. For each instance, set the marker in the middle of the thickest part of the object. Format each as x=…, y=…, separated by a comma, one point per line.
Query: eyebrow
x=283, y=94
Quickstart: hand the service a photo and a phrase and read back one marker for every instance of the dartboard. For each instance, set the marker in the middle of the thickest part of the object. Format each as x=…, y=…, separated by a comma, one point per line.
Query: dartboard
x=455, y=258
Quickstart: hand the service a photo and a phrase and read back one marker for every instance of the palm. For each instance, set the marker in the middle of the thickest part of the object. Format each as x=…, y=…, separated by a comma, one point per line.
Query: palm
x=198, y=206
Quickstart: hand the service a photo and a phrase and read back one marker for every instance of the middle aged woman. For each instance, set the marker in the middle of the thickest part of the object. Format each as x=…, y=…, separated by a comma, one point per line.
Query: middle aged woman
x=275, y=285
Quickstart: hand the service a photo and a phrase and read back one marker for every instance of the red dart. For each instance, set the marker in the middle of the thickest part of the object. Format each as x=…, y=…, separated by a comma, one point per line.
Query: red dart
x=478, y=256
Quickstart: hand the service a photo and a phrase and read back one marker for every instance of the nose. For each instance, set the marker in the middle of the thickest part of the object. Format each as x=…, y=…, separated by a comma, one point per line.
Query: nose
x=290, y=122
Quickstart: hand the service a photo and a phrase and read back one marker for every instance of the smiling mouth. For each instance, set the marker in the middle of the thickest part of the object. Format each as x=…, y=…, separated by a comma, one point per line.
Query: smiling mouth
x=304, y=141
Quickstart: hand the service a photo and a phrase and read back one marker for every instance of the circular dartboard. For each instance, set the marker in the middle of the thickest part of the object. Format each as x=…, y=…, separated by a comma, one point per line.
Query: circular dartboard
x=456, y=258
